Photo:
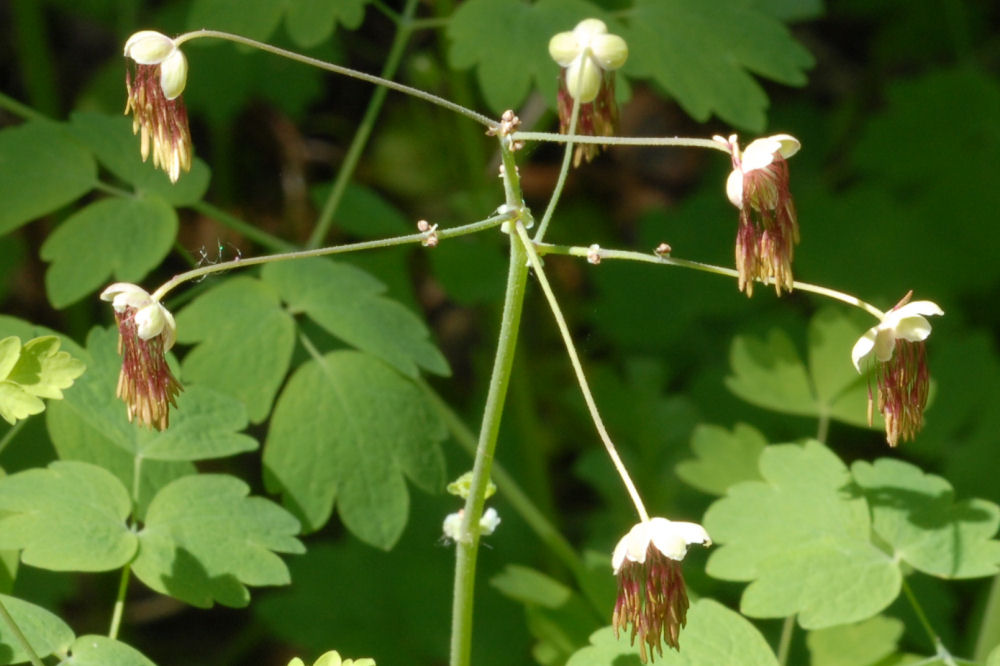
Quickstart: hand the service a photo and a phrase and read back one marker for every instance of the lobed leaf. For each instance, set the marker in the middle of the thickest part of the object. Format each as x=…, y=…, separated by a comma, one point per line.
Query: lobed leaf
x=204, y=540
x=722, y=459
x=256, y=19
x=860, y=644
x=802, y=537
x=245, y=342
x=347, y=302
x=36, y=370
x=70, y=516
x=346, y=430
x=918, y=517
x=92, y=650
x=44, y=168
x=126, y=238
x=311, y=22
x=46, y=632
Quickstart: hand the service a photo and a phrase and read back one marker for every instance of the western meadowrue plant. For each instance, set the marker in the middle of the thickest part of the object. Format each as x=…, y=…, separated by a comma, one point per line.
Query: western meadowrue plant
x=822, y=545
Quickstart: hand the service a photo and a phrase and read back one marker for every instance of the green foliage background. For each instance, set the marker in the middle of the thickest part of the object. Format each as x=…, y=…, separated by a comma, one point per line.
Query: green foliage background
x=897, y=106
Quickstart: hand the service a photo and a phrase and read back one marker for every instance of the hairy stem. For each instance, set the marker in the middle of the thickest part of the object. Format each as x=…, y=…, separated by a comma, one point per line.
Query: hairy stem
x=563, y=170
x=940, y=650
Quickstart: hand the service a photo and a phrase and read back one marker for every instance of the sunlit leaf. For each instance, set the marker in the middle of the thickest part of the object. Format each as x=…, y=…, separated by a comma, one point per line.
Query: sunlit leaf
x=46, y=632
x=309, y=22
x=33, y=371
x=722, y=459
x=861, y=644
x=94, y=650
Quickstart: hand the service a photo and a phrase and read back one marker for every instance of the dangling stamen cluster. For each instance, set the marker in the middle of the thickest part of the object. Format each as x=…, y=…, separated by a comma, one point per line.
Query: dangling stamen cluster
x=768, y=226
x=652, y=598
x=146, y=331
x=154, y=90
x=896, y=349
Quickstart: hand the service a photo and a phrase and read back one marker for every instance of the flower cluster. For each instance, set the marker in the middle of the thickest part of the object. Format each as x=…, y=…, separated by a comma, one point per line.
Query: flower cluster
x=154, y=99
x=768, y=228
x=895, y=349
x=589, y=57
x=146, y=331
x=652, y=598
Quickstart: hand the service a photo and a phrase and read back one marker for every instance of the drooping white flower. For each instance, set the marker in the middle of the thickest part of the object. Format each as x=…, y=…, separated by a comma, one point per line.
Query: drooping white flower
x=148, y=47
x=760, y=154
x=652, y=599
x=906, y=322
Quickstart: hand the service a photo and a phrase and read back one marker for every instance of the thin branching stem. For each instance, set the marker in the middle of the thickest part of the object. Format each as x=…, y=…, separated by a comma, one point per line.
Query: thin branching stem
x=563, y=169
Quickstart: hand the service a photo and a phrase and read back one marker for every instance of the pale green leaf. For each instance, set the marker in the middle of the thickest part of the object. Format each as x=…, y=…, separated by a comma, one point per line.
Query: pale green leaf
x=722, y=458
x=17, y=404
x=246, y=342
x=204, y=425
x=529, y=586
x=112, y=142
x=10, y=352
x=994, y=657
x=70, y=516
x=92, y=650
x=205, y=540
x=256, y=19
x=840, y=390
x=714, y=635
x=43, y=370
x=508, y=71
x=703, y=54
x=346, y=429
x=918, y=516
x=44, y=168
x=770, y=374
x=776, y=532
x=126, y=238
x=310, y=22
x=861, y=644
x=46, y=632
x=347, y=302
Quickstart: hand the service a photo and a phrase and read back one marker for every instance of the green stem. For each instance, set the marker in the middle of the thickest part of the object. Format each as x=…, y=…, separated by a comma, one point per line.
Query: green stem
x=467, y=545
x=8, y=436
x=581, y=378
x=337, y=69
x=34, y=54
x=989, y=626
x=19, y=635
x=785, y=642
x=676, y=141
x=630, y=255
x=119, y=609
x=563, y=171
x=364, y=129
x=240, y=262
x=10, y=104
x=940, y=650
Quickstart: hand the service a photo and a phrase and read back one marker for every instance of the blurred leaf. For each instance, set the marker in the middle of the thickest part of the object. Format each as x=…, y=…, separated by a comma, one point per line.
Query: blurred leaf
x=94, y=650
x=126, y=238
x=791, y=10
x=917, y=515
x=36, y=370
x=112, y=142
x=838, y=387
x=44, y=168
x=346, y=429
x=347, y=302
x=46, y=632
x=246, y=342
x=803, y=539
x=722, y=459
x=68, y=517
x=507, y=74
x=364, y=212
x=994, y=657
x=256, y=19
x=529, y=586
x=703, y=54
x=714, y=635
x=310, y=22
x=861, y=644
x=204, y=539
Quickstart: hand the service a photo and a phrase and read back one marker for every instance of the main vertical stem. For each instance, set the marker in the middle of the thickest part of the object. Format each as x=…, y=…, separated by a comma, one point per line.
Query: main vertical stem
x=467, y=545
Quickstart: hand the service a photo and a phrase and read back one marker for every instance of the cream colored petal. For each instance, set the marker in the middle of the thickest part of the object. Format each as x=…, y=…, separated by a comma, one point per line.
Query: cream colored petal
x=587, y=29
x=734, y=188
x=885, y=343
x=583, y=79
x=632, y=547
x=148, y=47
x=173, y=75
x=112, y=291
x=489, y=522
x=564, y=48
x=863, y=347
x=150, y=321
x=169, y=329
x=673, y=538
x=926, y=308
x=692, y=533
x=789, y=144
x=611, y=51
x=331, y=658
x=759, y=154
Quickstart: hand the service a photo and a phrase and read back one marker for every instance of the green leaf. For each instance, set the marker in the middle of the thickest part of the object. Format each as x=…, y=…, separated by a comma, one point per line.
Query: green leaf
x=36, y=370
x=112, y=142
x=803, y=539
x=256, y=19
x=70, y=516
x=722, y=459
x=346, y=429
x=917, y=515
x=994, y=657
x=310, y=22
x=123, y=237
x=92, y=650
x=861, y=644
x=347, y=302
x=204, y=424
x=364, y=212
x=770, y=373
x=46, y=632
x=246, y=342
x=529, y=586
x=507, y=74
x=44, y=168
x=204, y=540
x=714, y=635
